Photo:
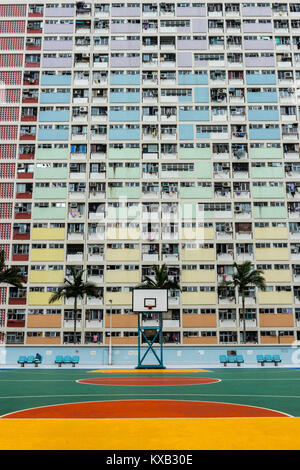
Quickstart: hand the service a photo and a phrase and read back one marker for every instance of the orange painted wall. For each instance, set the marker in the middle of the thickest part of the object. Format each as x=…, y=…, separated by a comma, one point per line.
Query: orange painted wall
x=201, y=340
x=40, y=340
x=132, y=340
x=198, y=320
x=274, y=339
x=122, y=321
x=44, y=321
x=279, y=319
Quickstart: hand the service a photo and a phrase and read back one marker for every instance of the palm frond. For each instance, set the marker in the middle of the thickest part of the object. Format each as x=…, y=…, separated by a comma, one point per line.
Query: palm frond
x=12, y=276
x=161, y=280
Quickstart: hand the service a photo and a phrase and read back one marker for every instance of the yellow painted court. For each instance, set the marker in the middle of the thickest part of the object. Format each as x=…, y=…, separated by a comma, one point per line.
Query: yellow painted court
x=147, y=434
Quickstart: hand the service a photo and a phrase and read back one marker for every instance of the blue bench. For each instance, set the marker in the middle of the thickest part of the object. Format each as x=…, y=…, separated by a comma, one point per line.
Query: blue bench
x=29, y=360
x=223, y=360
x=268, y=359
x=67, y=360
x=276, y=359
x=22, y=360
x=231, y=359
x=260, y=359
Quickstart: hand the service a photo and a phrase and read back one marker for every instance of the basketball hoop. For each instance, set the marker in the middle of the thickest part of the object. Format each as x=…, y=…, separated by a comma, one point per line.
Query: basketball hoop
x=149, y=303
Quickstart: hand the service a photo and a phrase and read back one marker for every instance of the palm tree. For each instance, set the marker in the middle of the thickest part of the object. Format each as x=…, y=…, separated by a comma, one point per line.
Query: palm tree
x=244, y=277
x=12, y=276
x=160, y=281
x=76, y=289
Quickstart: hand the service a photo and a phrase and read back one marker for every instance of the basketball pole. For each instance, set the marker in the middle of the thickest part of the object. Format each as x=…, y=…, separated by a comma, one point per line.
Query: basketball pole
x=141, y=333
x=142, y=304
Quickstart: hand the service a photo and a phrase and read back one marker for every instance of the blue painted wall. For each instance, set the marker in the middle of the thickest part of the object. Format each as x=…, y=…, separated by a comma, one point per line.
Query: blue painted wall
x=95, y=356
x=56, y=80
x=192, y=79
x=186, y=131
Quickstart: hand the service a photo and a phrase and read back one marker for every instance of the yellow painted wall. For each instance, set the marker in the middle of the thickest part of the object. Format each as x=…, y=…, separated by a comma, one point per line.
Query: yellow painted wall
x=118, y=298
x=202, y=254
x=48, y=234
x=282, y=298
x=187, y=233
x=272, y=254
x=199, y=275
x=271, y=233
x=199, y=298
x=46, y=276
x=122, y=276
x=122, y=255
x=39, y=254
x=41, y=298
x=122, y=234
x=277, y=275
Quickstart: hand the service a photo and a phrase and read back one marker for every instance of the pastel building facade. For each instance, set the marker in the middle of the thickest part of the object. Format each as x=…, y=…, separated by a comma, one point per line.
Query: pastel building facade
x=136, y=134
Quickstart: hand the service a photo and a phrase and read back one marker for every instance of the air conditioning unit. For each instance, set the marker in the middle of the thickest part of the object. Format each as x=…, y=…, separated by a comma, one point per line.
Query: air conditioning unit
x=288, y=75
x=73, y=204
x=82, y=108
x=237, y=209
x=227, y=229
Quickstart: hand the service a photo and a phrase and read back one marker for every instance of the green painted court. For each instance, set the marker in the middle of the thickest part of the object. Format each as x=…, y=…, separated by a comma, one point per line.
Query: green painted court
x=277, y=389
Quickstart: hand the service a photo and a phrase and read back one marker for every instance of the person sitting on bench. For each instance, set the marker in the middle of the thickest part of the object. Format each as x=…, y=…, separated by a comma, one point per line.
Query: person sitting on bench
x=37, y=358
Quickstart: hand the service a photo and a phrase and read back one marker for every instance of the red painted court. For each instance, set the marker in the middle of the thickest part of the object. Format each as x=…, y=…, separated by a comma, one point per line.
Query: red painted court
x=147, y=409
x=148, y=381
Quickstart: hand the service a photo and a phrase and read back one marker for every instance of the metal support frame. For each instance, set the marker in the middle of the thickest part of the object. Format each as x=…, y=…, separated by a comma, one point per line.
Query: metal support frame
x=158, y=334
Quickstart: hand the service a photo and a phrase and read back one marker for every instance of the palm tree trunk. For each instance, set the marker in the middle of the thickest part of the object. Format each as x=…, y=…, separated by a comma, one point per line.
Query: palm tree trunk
x=244, y=317
x=75, y=318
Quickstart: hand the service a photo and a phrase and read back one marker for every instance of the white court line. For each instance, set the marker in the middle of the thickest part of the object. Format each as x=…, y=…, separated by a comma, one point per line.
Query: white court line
x=76, y=380
x=149, y=394
x=33, y=380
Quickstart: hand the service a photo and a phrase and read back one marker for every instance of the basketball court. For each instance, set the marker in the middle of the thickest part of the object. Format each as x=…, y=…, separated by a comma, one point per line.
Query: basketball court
x=150, y=407
x=169, y=409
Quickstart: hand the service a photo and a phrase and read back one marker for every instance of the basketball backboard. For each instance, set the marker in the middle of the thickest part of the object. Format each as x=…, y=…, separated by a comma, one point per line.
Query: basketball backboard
x=149, y=300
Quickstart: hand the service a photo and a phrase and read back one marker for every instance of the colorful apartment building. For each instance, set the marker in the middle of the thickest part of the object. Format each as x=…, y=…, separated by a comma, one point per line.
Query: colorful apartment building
x=136, y=134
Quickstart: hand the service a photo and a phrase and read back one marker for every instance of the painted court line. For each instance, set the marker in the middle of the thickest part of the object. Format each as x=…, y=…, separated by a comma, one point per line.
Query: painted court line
x=84, y=395
x=148, y=381
x=76, y=380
